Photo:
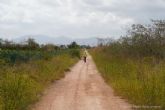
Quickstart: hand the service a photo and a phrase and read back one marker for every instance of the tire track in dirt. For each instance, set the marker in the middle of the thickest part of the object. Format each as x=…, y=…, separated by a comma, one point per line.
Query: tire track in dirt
x=82, y=89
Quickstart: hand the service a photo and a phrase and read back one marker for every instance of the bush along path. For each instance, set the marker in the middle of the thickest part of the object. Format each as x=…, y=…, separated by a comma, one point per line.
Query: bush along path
x=82, y=89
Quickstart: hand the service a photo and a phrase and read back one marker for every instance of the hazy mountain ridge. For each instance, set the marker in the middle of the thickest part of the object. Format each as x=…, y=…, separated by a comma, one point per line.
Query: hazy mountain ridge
x=43, y=39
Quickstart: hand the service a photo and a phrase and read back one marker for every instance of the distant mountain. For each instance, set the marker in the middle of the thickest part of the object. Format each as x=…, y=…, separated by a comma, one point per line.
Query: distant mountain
x=43, y=39
x=87, y=41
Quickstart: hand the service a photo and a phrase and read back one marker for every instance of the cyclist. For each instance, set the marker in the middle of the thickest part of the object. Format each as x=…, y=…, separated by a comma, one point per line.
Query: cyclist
x=85, y=56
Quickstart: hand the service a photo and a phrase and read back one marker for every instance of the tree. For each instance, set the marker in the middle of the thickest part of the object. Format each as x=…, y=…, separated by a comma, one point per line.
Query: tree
x=145, y=40
x=32, y=44
x=73, y=45
x=62, y=47
x=1, y=41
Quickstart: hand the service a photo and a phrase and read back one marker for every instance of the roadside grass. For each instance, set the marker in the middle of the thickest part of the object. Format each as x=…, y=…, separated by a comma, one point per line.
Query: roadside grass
x=22, y=84
x=141, y=81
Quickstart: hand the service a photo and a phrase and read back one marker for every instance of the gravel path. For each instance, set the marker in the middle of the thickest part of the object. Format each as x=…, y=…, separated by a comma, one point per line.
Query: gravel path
x=82, y=89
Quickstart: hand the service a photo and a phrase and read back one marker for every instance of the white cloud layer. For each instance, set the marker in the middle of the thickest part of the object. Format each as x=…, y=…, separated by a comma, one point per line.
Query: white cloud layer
x=75, y=18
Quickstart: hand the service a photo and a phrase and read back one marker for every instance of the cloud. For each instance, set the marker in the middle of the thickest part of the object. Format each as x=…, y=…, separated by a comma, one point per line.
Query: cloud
x=75, y=18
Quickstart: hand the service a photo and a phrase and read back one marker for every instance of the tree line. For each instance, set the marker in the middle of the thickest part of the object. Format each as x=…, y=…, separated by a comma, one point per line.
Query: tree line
x=31, y=44
x=142, y=40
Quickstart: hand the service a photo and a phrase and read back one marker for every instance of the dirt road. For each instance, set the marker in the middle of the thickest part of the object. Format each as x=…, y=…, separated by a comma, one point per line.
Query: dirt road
x=81, y=89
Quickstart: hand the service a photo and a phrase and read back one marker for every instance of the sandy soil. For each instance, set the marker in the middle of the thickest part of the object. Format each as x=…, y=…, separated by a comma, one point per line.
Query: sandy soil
x=82, y=89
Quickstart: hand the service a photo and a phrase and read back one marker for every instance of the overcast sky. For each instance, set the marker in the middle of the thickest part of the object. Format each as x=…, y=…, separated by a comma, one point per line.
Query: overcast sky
x=75, y=18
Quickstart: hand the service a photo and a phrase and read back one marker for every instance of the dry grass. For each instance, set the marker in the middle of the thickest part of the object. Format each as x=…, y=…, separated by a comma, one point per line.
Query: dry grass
x=22, y=84
x=141, y=81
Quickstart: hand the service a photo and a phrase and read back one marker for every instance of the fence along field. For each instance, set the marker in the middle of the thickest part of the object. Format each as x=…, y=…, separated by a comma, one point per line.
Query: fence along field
x=26, y=69
x=135, y=65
